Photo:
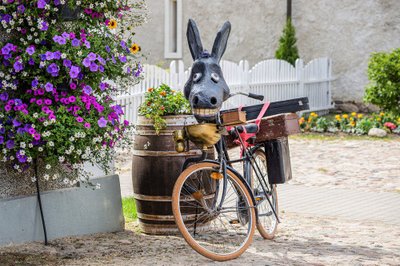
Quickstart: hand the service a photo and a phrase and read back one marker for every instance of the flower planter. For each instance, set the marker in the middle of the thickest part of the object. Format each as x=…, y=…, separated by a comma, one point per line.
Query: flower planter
x=155, y=167
x=67, y=212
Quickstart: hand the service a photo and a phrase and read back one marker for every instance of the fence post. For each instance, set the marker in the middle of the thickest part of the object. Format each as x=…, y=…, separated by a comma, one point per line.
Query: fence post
x=299, y=65
x=329, y=93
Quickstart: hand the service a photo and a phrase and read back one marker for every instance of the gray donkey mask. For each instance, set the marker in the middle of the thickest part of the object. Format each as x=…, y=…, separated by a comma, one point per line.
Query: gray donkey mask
x=206, y=88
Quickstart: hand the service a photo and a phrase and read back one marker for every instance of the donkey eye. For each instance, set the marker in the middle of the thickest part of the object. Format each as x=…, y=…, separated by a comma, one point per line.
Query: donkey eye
x=214, y=77
x=196, y=77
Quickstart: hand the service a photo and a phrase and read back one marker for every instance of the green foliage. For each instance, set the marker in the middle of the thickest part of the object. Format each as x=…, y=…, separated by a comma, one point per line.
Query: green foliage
x=129, y=209
x=163, y=101
x=384, y=75
x=287, y=49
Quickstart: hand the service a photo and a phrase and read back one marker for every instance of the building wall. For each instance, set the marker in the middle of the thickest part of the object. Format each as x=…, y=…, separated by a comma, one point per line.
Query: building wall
x=346, y=31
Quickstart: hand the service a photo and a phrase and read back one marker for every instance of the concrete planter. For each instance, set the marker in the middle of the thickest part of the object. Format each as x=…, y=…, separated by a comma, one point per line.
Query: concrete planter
x=67, y=212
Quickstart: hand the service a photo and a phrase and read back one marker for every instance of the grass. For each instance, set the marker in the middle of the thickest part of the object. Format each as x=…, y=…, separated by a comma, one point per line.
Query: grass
x=129, y=208
x=341, y=136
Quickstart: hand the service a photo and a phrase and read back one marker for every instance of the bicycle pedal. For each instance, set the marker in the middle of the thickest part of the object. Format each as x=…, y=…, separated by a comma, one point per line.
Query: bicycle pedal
x=235, y=221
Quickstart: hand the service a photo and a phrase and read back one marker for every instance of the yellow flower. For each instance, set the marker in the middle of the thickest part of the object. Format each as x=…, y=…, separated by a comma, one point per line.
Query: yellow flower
x=301, y=120
x=337, y=117
x=378, y=119
x=398, y=120
x=313, y=114
x=382, y=114
x=345, y=116
x=352, y=123
x=351, y=118
x=354, y=114
x=309, y=119
x=359, y=116
x=112, y=24
x=134, y=48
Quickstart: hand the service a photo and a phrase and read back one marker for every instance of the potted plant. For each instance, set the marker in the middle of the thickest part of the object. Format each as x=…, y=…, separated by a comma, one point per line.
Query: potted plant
x=57, y=84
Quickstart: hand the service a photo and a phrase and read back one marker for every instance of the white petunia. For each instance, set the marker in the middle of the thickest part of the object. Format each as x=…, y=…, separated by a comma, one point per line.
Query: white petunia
x=46, y=177
x=48, y=166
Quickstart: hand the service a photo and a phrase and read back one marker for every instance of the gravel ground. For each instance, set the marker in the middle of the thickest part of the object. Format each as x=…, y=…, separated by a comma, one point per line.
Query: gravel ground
x=369, y=165
x=302, y=240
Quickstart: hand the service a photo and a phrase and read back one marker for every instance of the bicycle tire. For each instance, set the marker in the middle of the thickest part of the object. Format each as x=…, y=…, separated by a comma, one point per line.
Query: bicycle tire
x=198, y=242
x=267, y=224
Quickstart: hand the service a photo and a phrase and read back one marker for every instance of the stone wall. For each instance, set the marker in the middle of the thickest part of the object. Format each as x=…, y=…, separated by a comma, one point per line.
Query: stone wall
x=347, y=31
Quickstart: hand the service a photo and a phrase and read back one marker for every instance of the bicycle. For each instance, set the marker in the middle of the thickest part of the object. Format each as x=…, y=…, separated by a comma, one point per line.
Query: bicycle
x=215, y=207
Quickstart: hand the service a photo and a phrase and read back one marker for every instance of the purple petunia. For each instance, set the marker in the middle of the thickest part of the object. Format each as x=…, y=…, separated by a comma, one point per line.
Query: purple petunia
x=49, y=55
x=1, y=139
x=92, y=56
x=31, y=62
x=59, y=39
x=87, y=44
x=102, y=122
x=122, y=59
x=71, y=99
x=10, y=144
x=108, y=49
x=94, y=67
x=18, y=66
x=101, y=68
x=87, y=89
x=57, y=55
x=53, y=69
x=49, y=87
x=44, y=26
x=41, y=4
x=21, y=9
x=34, y=82
x=103, y=86
x=4, y=96
x=72, y=86
x=30, y=50
x=67, y=63
x=75, y=42
x=74, y=72
x=86, y=62
x=79, y=119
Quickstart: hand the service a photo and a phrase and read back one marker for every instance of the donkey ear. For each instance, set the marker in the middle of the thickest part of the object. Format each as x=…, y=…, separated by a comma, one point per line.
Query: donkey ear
x=221, y=40
x=193, y=37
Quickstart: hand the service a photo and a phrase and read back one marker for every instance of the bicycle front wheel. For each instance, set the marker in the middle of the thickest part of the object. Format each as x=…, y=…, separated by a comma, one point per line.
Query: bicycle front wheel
x=215, y=216
x=267, y=223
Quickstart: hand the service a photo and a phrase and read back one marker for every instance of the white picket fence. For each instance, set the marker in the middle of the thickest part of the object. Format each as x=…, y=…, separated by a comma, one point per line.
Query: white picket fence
x=275, y=79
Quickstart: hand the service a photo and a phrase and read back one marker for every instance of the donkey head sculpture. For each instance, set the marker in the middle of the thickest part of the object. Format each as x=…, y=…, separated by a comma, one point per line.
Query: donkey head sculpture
x=206, y=88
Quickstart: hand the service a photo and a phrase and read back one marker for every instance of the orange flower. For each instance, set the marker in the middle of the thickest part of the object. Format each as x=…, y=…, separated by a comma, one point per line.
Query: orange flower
x=301, y=120
x=112, y=24
x=150, y=89
x=163, y=93
x=134, y=48
x=162, y=108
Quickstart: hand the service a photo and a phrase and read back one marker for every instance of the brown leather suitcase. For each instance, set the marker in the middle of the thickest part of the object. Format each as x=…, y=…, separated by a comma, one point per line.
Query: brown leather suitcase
x=277, y=126
x=273, y=127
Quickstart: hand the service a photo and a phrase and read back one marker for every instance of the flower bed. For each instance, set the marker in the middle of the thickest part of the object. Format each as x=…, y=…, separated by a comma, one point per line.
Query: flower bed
x=354, y=123
x=56, y=94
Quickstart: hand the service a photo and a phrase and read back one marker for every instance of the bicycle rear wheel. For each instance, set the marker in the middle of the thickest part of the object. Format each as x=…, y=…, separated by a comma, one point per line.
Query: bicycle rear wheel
x=267, y=224
x=218, y=225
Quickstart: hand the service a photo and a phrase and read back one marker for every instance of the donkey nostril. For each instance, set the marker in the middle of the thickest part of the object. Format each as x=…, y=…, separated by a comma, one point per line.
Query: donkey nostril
x=195, y=100
x=213, y=100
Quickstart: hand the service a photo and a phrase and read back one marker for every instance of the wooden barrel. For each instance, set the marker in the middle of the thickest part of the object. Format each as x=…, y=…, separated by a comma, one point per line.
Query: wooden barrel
x=155, y=167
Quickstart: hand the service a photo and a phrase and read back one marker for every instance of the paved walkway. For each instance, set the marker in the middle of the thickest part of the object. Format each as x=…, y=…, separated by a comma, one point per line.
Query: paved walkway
x=335, y=202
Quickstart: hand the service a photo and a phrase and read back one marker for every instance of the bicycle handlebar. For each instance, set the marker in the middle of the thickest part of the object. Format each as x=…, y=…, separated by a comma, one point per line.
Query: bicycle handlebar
x=250, y=95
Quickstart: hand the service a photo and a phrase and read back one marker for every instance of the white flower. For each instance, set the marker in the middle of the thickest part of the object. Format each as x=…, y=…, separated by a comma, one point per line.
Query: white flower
x=79, y=53
x=45, y=123
x=40, y=149
x=46, y=177
x=29, y=159
x=12, y=158
x=63, y=56
x=22, y=152
x=66, y=181
x=30, y=145
x=51, y=144
x=61, y=159
x=33, y=179
x=79, y=152
x=35, y=115
x=48, y=166
x=16, y=167
x=71, y=139
x=33, y=126
x=55, y=176
x=68, y=152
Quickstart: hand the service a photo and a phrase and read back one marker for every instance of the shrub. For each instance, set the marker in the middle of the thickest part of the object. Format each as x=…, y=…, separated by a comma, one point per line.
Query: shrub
x=384, y=75
x=287, y=49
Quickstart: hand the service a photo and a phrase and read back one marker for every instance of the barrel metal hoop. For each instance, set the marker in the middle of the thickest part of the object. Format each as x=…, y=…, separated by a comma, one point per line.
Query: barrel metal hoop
x=164, y=217
x=146, y=153
x=164, y=198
